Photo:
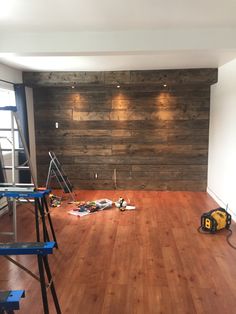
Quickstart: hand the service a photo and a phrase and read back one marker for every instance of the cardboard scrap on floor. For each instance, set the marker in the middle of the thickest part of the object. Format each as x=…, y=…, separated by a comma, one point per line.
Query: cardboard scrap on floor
x=77, y=213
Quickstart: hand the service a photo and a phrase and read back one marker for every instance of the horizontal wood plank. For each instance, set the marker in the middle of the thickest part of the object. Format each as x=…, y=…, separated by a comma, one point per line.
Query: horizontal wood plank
x=183, y=76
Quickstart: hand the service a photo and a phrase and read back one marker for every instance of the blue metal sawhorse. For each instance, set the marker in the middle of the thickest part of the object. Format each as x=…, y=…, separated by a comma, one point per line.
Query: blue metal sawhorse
x=41, y=210
x=41, y=249
x=9, y=301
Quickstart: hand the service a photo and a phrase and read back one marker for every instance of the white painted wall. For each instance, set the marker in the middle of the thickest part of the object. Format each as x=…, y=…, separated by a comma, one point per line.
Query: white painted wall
x=222, y=138
x=9, y=74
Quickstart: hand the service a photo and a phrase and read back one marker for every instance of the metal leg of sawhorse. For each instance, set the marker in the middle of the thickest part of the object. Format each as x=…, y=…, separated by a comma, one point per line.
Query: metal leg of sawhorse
x=42, y=211
x=41, y=249
x=45, y=205
x=43, y=264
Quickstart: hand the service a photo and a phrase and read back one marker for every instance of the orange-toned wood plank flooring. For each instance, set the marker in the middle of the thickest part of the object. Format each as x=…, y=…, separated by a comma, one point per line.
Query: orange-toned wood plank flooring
x=151, y=260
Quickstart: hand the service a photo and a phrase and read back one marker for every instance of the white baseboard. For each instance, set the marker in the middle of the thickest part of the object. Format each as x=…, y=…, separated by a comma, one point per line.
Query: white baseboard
x=221, y=202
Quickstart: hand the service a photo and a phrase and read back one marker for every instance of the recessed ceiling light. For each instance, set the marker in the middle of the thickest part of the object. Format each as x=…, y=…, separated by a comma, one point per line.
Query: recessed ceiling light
x=164, y=85
x=73, y=86
x=118, y=86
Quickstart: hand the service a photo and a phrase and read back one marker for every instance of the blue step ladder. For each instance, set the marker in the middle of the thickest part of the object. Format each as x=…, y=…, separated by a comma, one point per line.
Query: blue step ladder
x=41, y=250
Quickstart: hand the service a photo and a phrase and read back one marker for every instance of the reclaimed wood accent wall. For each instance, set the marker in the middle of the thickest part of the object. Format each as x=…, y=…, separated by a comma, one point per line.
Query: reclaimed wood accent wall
x=153, y=136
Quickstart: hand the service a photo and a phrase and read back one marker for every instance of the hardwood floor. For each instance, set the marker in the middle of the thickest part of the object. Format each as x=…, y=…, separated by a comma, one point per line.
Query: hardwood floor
x=151, y=260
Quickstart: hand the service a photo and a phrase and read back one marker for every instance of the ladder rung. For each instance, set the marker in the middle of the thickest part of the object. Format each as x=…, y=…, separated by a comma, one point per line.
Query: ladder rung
x=17, y=167
x=16, y=184
x=24, y=184
x=22, y=200
x=9, y=149
x=4, y=206
x=17, y=189
x=6, y=233
x=7, y=129
x=9, y=108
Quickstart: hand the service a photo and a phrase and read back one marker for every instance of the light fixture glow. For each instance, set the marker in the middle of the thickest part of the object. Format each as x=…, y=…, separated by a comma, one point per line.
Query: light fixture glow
x=118, y=86
x=164, y=85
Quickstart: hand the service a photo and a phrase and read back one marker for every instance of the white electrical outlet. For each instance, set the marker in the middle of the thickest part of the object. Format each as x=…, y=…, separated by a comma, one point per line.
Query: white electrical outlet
x=56, y=125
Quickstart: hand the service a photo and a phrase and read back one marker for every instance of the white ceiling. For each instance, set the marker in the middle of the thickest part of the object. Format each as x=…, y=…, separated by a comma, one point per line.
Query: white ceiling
x=94, y=15
x=92, y=35
x=174, y=60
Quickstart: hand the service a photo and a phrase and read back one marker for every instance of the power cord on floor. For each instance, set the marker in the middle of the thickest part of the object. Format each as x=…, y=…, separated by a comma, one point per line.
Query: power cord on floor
x=227, y=237
x=228, y=241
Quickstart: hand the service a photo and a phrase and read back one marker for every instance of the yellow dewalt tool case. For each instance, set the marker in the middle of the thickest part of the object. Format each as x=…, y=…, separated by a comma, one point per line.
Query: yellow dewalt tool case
x=215, y=219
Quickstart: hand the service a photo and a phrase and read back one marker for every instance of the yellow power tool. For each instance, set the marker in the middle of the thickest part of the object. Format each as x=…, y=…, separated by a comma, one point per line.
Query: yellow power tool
x=215, y=219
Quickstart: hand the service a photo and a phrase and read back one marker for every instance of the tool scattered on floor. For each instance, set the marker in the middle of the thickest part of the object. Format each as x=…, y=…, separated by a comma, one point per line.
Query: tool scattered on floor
x=104, y=203
x=122, y=204
x=216, y=220
x=54, y=201
x=85, y=208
